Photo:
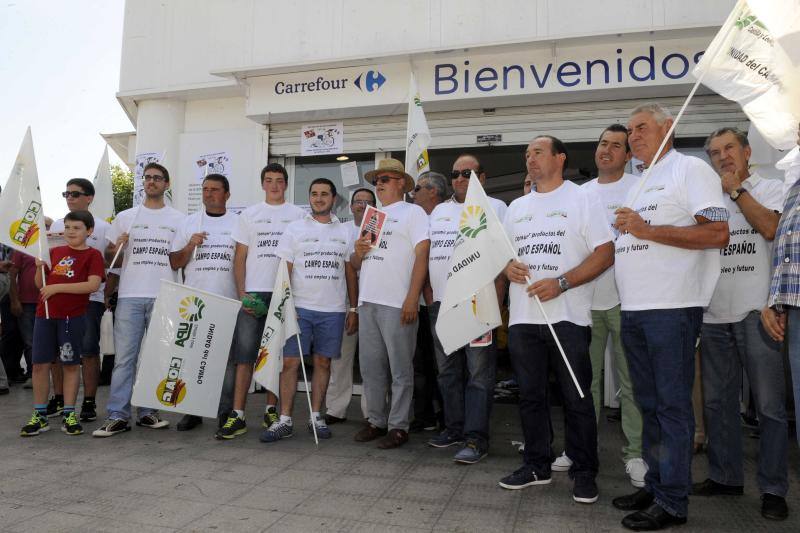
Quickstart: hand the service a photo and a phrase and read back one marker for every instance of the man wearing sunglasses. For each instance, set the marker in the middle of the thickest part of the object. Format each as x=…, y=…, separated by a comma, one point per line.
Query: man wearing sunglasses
x=392, y=275
x=466, y=377
x=79, y=196
x=145, y=233
x=340, y=385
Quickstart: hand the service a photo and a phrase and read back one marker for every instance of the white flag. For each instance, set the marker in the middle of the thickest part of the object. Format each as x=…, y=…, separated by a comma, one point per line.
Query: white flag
x=185, y=351
x=482, y=250
x=747, y=63
x=103, y=204
x=21, y=213
x=281, y=324
x=418, y=137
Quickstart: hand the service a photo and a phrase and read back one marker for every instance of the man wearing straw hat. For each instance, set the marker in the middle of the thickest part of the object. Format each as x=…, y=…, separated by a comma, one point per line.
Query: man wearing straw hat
x=667, y=265
x=145, y=232
x=392, y=276
x=204, y=248
x=563, y=242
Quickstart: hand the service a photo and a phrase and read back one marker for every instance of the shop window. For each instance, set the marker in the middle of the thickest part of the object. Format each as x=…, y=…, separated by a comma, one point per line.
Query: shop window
x=307, y=169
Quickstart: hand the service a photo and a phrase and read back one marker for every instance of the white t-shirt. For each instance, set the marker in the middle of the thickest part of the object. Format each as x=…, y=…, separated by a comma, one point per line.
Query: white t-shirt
x=96, y=240
x=260, y=228
x=151, y=232
x=744, y=278
x=611, y=197
x=318, y=253
x=499, y=207
x=657, y=276
x=553, y=233
x=386, y=270
x=210, y=267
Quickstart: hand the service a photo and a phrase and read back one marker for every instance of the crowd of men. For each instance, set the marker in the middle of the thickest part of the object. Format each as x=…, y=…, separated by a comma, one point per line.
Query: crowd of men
x=692, y=252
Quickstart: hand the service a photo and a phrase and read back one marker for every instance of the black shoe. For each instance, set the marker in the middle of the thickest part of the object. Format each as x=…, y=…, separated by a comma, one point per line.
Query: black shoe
x=331, y=420
x=418, y=426
x=652, y=519
x=639, y=500
x=88, y=411
x=709, y=487
x=55, y=407
x=584, y=489
x=189, y=422
x=774, y=507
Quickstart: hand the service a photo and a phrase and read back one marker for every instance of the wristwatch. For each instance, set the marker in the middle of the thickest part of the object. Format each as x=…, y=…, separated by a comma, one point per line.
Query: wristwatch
x=737, y=193
x=563, y=284
x=353, y=310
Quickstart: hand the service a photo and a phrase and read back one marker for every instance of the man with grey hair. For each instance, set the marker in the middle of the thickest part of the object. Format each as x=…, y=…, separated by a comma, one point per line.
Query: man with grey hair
x=430, y=191
x=732, y=335
x=466, y=377
x=667, y=265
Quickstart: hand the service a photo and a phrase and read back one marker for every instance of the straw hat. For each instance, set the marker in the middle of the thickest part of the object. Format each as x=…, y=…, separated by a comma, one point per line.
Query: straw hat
x=390, y=165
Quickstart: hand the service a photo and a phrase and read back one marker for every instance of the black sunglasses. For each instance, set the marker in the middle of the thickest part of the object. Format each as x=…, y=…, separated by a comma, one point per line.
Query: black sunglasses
x=74, y=194
x=426, y=186
x=384, y=179
x=466, y=173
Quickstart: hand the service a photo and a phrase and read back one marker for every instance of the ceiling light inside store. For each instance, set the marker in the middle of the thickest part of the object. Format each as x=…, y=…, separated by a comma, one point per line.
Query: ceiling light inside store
x=342, y=158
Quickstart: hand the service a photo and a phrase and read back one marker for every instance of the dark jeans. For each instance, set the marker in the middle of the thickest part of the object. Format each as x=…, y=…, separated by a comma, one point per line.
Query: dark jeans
x=660, y=344
x=533, y=355
x=466, y=381
x=11, y=346
x=726, y=348
x=426, y=391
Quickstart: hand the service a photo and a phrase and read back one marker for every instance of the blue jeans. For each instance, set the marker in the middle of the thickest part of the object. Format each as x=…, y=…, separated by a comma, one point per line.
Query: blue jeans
x=726, y=348
x=793, y=343
x=533, y=355
x=466, y=382
x=130, y=322
x=660, y=344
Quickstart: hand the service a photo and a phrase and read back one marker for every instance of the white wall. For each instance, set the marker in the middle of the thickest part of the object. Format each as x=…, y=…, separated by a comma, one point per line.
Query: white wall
x=174, y=45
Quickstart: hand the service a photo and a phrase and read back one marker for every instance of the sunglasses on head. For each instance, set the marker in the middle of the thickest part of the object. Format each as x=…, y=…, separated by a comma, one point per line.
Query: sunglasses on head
x=466, y=173
x=74, y=194
x=384, y=179
x=154, y=177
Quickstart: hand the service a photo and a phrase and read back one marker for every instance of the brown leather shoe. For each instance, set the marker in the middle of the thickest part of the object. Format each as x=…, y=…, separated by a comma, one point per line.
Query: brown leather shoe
x=394, y=439
x=369, y=432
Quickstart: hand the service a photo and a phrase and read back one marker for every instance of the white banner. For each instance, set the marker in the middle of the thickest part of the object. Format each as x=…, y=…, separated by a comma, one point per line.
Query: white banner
x=482, y=250
x=185, y=351
x=103, y=204
x=418, y=136
x=281, y=324
x=745, y=63
x=21, y=216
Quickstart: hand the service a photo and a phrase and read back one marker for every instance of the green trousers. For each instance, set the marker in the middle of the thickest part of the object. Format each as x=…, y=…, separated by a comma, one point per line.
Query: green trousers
x=605, y=323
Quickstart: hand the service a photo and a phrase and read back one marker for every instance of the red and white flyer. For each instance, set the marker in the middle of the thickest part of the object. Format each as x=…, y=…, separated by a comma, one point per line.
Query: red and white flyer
x=372, y=225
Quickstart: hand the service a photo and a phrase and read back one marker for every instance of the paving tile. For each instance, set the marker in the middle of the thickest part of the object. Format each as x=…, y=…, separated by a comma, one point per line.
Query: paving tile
x=186, y=487
x=297, y=523
x=271, y=498
x=466, y=518
x=358, y=484
x=244, y=473
x=410, y=489
x=11, y=513
x=52, y=522
x=226, y=518
x=349, y=506
x=400, y=512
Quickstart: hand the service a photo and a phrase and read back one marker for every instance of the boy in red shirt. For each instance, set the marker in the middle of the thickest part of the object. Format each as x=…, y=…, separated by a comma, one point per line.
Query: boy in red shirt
x=77, y=272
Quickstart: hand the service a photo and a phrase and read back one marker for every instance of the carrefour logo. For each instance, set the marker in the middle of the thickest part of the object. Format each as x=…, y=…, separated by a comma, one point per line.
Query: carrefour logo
x=372, y=81
x=369, y=81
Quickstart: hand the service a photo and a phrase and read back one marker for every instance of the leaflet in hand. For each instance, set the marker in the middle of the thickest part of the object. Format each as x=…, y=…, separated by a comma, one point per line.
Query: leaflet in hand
x=372, y=225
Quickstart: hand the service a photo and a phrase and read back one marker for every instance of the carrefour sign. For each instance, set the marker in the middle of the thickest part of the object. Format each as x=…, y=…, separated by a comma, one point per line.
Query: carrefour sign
x=368, y=81
x=535, y=69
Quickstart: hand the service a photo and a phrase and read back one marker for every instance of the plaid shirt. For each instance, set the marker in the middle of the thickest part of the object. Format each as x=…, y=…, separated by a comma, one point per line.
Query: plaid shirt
x=784, y=288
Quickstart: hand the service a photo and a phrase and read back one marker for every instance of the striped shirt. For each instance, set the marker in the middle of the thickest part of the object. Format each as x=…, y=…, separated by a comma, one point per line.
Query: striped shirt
x=785, y=285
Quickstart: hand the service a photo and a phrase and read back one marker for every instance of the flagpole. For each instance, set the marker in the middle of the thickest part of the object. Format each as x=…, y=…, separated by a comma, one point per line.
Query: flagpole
x=308, y=392
x=44, y=275
x=667, y=137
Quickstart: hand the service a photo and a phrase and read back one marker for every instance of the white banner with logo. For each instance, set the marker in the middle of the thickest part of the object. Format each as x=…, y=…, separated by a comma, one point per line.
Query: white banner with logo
x=321, y=139
x=185, y=351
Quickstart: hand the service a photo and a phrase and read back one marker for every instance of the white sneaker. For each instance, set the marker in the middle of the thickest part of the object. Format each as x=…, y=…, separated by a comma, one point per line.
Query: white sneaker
x=562, y=463
x=636, y=469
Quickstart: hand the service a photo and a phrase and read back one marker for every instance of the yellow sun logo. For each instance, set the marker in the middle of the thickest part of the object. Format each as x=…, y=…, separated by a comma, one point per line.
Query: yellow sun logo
x=473, y=221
